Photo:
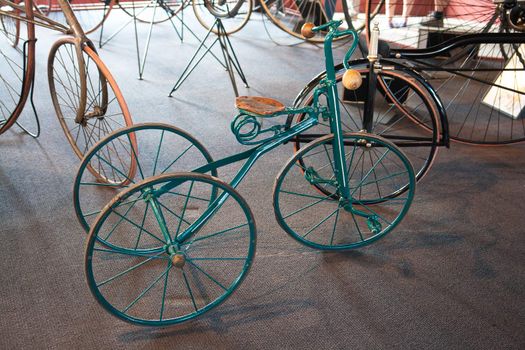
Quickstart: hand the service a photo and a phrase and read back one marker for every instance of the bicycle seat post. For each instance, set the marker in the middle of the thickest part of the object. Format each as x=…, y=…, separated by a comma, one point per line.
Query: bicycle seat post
x=373, y=58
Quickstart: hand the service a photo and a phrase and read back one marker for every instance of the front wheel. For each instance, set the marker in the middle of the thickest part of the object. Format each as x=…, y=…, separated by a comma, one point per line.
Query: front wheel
x=309, y=200
x=170, y=273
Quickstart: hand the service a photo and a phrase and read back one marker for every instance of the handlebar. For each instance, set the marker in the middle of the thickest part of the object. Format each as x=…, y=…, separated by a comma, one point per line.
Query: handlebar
x=308, y=30
x=331, y=24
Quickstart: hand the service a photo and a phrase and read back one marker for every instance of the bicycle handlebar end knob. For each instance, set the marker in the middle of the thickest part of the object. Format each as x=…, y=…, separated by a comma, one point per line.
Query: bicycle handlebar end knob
x=352, y=79
x=306, y=30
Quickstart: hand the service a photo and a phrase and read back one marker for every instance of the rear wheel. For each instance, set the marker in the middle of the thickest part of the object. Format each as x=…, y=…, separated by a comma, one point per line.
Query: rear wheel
x=87, y=100
x=128, y=156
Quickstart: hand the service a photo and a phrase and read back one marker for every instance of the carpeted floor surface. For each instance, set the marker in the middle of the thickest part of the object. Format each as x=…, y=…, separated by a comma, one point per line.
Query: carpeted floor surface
x=450, y=276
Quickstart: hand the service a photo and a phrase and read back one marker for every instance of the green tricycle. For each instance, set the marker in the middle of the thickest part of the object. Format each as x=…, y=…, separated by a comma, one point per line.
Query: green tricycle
x=174, y=240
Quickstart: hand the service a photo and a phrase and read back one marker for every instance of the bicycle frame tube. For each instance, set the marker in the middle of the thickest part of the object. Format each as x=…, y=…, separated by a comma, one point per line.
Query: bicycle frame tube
x=32, y=17
x=251, y=155
x=463, y=40
x=72, y=20
x=335, y=118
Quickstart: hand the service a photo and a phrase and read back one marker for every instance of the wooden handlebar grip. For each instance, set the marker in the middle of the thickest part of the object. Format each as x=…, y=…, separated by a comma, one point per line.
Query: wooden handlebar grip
x=352, y=79
x=306, y=30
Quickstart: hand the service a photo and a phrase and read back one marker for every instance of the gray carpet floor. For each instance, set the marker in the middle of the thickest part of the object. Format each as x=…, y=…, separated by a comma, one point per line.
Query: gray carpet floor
x=450, y=276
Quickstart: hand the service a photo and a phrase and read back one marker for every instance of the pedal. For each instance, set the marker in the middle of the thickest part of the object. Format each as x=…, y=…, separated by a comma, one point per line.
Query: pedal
x=374, y=225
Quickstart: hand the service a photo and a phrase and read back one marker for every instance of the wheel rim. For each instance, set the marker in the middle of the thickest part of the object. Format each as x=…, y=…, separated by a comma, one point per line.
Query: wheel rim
x=17, y=72
x=12, y=76
x=149, y=289
x=152, y=11
x=375, y=166
x=42, y=6
x=355, y=13
x=10, y=27
x=90, y=16
x=158, y=149
x=290, y=15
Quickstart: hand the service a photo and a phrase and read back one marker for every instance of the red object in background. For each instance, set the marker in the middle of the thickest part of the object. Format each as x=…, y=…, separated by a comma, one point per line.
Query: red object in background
x=455, y=8
x=421, y=7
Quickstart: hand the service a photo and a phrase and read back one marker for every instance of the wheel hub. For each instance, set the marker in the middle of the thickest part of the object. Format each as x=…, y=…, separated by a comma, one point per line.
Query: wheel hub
x=148, y=194
x=345, y=204
x=178, y=260
x=97, y=112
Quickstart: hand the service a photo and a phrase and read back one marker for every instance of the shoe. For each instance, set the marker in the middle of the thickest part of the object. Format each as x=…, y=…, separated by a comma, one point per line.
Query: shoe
x=436, y=20
x=436, y=14
x=400, y=25
x=396, y=24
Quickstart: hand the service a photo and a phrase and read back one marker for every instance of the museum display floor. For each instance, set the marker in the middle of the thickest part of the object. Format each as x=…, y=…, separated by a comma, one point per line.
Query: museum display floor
x=450, y=276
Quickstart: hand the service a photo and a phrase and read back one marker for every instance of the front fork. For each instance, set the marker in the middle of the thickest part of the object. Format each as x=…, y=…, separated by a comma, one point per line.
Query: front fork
x=341, y=170
x=172, y=248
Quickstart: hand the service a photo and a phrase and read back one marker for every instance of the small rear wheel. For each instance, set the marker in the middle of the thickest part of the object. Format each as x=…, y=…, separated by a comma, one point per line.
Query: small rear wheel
x=128, y=156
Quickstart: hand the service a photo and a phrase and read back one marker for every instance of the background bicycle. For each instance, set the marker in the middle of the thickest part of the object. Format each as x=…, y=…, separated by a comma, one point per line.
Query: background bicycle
x=479, y=80
x=86, y=98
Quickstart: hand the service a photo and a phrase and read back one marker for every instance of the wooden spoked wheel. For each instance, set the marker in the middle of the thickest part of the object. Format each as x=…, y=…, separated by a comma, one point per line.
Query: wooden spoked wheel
x=17, y=60
x=87, y=100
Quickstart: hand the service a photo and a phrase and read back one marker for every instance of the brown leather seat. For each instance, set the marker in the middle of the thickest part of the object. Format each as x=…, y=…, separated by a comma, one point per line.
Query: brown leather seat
x=258, y=105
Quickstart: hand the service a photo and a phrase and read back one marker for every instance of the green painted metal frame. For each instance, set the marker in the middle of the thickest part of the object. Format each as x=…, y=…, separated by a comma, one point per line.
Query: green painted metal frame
x=327, y=87
x=153, y=189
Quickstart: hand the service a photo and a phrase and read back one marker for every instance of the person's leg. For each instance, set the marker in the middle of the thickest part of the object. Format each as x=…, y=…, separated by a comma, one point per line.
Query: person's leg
x=407, y=8
x=351, y=9
x=436, y=15
x=439, y=5
x=390, y=10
